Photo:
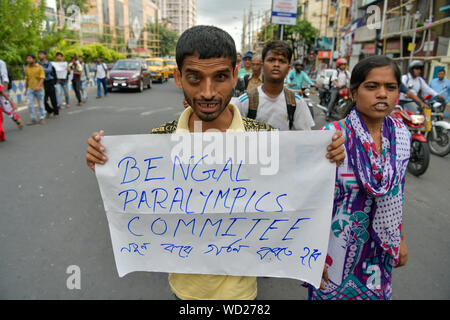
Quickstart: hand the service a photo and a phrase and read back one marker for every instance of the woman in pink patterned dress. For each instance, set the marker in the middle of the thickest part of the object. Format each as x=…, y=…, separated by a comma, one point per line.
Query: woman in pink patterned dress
x=366, y=239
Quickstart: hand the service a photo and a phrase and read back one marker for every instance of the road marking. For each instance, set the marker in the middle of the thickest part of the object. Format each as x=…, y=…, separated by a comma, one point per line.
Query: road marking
x=75, y=111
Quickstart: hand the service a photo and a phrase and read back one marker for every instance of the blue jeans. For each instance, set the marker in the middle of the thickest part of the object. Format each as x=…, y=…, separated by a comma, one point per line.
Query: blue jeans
x=84, y=90
x=101, y=81
x=39, y=95
x=60, y=87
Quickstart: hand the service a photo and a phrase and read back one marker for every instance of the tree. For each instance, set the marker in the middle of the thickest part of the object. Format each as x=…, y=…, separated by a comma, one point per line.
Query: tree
x=22, y=24
x=168, y=38
x=303, y=31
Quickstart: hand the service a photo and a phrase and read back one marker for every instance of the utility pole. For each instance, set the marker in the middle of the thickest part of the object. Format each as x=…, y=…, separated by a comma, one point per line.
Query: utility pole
x=244, y=27
x=336, y=25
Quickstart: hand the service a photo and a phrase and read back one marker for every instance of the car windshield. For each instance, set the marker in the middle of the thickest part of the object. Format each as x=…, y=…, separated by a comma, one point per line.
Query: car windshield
x=154, y=63
x=126, y=65
x=172, y=63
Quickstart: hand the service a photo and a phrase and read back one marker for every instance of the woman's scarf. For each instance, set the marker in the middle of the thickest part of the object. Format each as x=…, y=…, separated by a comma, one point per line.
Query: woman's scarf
x=381, y=177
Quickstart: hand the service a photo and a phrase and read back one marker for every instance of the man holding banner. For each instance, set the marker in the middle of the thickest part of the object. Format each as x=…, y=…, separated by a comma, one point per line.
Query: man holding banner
x=207, y=73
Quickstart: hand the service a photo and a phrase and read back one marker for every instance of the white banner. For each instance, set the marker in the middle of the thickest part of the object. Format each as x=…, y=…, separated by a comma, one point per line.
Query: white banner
x=248, y=204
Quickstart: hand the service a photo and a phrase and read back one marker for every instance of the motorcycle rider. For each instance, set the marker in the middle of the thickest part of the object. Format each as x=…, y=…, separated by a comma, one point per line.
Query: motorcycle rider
x=339, y=80
x=415, y=83
x=297, y=76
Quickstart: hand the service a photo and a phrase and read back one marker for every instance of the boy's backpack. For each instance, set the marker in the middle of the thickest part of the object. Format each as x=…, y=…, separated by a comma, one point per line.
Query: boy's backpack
x=253, y=102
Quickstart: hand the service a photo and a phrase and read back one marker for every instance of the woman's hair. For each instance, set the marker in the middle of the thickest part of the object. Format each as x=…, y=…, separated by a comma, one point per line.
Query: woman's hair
x=206, y=42
x=362, y=69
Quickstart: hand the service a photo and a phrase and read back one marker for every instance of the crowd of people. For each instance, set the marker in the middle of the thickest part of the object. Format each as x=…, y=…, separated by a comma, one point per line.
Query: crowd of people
x=367, y=237
x=45, y=84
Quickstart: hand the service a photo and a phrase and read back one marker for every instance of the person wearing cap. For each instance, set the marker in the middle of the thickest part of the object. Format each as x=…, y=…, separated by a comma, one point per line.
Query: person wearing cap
x=414, y=82
x=247, y=61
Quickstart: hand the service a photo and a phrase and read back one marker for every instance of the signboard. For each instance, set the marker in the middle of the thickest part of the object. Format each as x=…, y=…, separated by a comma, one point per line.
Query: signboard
x=242, y=204
x=284, y=12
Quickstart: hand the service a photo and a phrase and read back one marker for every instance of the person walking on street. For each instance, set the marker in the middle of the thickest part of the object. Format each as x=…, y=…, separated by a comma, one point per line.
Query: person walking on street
x=84, y=78
x=62, y=75
x=34, y=85
x=206, y=59
x=4, y=78
x=6, y=103
x=76, y=70
x=339, y=80
x=101, y=73
x=49, y=85
x=367, y=235
x=9, y=107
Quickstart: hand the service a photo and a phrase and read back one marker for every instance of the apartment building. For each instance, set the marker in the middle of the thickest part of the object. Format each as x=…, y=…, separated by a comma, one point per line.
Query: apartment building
x=180, y=14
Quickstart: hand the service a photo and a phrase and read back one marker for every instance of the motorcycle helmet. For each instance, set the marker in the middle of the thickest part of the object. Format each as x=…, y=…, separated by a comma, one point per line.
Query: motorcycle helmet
x=414, y=65
x=340, y=62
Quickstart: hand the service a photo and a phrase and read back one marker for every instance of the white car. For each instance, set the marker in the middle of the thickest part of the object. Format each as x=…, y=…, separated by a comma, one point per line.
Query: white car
x=323, y=78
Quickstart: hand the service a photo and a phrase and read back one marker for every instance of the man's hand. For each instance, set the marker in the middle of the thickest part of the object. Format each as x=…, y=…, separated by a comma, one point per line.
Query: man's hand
x=95, y=150
x=336, y=150
x=37, y=88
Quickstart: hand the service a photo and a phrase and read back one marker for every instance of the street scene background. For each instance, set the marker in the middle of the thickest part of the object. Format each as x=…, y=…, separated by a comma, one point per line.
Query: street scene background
x=53, y=217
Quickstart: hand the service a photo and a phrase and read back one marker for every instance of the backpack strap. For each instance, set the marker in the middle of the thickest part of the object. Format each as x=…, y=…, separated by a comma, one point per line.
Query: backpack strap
x=253, y=101
x=290, y=105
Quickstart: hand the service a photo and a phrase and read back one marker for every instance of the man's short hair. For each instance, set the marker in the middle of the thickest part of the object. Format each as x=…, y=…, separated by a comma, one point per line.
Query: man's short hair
x=442, y=70
x=42, y=51
x=31, y=55
x=205, y=42
x=59, y=54
x=278, y=47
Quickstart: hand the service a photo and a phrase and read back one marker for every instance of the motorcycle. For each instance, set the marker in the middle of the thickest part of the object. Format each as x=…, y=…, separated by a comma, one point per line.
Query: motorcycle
x=341, y=106
x=420, y=151
x=439, y=135
x=306, y=93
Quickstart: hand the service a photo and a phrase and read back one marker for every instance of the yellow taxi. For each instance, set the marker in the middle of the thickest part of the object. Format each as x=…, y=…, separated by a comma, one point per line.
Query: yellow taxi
x=158, y=68
x=172, y=64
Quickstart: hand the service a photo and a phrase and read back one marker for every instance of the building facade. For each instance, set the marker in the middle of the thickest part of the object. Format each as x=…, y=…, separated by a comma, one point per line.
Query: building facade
x=179, y=14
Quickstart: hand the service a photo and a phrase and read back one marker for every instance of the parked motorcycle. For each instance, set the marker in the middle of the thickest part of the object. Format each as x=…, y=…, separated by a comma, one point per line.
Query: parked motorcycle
x=420, y=151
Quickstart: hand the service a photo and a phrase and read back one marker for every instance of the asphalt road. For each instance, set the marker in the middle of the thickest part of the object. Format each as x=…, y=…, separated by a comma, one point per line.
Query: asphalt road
x=52, y=217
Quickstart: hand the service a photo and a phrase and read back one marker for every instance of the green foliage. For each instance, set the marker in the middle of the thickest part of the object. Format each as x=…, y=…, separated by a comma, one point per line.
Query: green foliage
x=303, y=30
x=25, y=30
x=168, y=38
x=89, y=52
x=21, y=29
